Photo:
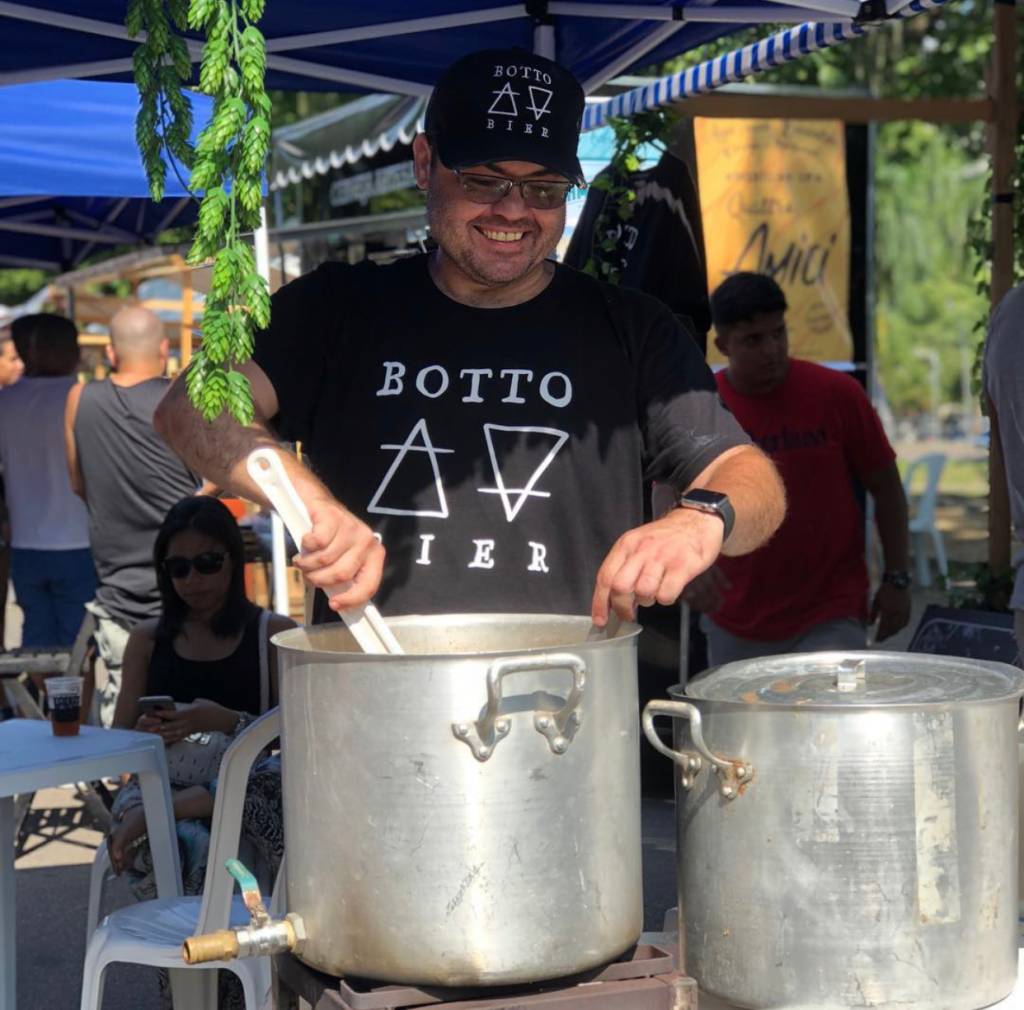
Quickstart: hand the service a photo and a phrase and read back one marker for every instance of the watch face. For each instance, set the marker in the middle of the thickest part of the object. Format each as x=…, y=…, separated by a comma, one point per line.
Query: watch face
x=901, y=580
x=705, y=497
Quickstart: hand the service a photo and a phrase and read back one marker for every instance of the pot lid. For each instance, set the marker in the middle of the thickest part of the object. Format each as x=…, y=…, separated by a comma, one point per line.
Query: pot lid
x=851, y=679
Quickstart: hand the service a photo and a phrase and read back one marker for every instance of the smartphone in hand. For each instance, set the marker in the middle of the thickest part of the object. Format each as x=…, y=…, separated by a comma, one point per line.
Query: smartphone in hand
x=156, y=703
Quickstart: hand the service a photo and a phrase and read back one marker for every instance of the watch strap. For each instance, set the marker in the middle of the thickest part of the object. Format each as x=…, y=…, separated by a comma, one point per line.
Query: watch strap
x=712, y=503
x=897, y=578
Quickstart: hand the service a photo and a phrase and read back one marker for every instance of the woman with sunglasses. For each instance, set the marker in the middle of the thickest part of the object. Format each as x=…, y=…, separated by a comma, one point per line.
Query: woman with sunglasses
x=208, y=650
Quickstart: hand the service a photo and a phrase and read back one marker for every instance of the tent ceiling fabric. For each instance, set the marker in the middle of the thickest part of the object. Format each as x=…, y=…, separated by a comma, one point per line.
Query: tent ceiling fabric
x=400, y=46
x=71, y=178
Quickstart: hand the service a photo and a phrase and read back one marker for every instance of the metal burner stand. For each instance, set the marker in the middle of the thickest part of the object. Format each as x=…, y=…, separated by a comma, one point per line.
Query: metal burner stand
x=642, y=979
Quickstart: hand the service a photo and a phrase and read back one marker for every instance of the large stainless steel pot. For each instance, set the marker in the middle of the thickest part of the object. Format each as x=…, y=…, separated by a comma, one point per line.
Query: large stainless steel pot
x=858, y=844
x=468, y=813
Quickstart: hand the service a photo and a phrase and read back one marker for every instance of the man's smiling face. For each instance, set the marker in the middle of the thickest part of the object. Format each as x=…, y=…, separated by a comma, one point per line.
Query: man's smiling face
x=492, y=244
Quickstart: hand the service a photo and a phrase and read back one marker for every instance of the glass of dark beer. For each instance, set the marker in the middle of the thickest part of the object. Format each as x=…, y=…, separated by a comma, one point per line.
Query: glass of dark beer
x=65, y=696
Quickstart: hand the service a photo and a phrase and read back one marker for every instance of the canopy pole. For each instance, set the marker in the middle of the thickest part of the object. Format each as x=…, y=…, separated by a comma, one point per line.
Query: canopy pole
x=1003, y=138
x=544, y=39
x=278, y=547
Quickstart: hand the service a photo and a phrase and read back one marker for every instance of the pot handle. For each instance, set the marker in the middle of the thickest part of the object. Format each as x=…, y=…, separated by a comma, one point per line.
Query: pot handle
x=485, y=733
x=732, y=771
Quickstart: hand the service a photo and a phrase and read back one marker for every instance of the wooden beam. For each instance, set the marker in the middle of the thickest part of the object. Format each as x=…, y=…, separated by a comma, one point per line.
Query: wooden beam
x=1003, y=82
x=185, y=339
x=849, y=109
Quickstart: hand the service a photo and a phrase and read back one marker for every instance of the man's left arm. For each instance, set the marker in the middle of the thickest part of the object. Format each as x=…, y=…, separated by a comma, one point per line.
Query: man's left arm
x=70, y=445
x=891, y=603
x=654, y=562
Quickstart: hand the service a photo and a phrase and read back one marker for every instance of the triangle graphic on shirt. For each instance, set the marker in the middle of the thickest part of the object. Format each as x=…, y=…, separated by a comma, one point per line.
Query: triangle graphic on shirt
x=514, y=498
x=407, y=453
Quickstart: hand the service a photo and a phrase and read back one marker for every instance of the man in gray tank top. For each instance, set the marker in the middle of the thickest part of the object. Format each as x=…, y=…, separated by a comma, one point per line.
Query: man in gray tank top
x=128, y=478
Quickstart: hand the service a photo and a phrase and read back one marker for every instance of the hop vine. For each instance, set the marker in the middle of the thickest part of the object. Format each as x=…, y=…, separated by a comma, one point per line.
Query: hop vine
x=226, y=164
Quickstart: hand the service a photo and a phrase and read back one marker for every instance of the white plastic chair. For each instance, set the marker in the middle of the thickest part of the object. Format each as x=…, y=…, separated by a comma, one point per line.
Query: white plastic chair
x=152, y=932
x=922, y=526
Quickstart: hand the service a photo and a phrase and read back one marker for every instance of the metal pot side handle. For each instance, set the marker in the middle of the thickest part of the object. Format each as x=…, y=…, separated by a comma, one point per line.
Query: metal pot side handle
x=733, y=772
x=484, y=734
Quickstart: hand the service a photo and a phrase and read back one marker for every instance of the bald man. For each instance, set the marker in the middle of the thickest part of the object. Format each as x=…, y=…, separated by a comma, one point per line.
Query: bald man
x=128, y=478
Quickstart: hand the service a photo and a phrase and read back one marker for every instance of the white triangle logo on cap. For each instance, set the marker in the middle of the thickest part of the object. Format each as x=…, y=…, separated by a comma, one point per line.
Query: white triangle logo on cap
x=505, y=102
x=544, y=95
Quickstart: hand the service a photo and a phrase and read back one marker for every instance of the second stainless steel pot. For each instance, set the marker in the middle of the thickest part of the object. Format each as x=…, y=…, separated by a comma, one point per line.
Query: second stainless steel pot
x=467, y=813
x=848, y=830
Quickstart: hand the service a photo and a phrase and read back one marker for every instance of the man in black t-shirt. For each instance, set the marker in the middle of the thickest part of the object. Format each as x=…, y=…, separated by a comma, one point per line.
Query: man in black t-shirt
x=483, y=421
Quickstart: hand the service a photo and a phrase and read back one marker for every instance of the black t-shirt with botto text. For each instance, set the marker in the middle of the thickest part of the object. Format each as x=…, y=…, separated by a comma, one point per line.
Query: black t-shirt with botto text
x=498, y=453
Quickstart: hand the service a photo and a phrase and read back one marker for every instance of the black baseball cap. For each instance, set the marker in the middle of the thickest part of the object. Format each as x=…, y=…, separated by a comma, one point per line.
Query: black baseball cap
x=507, y=105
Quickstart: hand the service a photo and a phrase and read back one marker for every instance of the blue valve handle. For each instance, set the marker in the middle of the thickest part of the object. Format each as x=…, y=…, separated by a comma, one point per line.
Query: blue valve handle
x=238, y=870
x=250, y=890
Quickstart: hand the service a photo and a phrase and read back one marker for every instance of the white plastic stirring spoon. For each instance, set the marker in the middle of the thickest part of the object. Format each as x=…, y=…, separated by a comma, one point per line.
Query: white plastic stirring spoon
x=366, y=624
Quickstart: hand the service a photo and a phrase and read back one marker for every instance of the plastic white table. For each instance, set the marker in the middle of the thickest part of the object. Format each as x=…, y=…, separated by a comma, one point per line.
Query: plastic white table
x=32, y=758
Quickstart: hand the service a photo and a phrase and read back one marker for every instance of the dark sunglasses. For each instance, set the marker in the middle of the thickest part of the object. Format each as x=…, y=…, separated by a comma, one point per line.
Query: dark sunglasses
x=540, y=194
x=207, y=563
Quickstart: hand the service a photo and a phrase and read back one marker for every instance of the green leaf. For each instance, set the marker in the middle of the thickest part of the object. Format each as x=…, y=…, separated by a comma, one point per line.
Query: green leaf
x=226, y=274
x=133, y=18
x=242, y=337
x=200, y=12
x=255, y=145
x=205, y=173
x=261, y=104
x=207, y=386
x=252, y=59
x=212, y=212
x=259, y=300
x=142, y=67
x=180, y=59
x=228, y=119
x=239, y=396
x=179, y=13
x=159, y=33
x=211, y=70
x=250, y=194
x=222, y=22
x=244, y=257
x=217, y=335
x=232, y=83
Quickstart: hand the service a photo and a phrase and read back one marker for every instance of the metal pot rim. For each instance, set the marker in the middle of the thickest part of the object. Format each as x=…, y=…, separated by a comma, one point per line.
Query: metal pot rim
x=838, y=680
x=295, y=641
x=910, y=706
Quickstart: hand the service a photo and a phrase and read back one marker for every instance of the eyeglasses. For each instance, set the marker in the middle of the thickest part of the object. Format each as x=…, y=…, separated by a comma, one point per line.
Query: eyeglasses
x=541, y=194
x=207, y=563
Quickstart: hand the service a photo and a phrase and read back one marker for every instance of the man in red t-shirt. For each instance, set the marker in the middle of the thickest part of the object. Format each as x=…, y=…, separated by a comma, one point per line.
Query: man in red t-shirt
x=807, y=588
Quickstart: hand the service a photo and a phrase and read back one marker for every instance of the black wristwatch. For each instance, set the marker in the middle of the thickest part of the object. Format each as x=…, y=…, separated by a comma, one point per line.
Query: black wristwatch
x=712, y=502
x=896, y=579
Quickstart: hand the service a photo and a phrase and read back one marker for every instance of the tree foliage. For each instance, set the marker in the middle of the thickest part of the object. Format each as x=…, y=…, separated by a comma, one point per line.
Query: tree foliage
x=931, y=266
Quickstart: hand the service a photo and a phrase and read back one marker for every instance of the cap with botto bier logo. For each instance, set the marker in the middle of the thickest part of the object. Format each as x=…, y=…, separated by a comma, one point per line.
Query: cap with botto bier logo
x=507, y=105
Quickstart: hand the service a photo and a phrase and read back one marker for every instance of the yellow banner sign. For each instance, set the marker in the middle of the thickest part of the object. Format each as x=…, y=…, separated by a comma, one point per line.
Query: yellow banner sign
x=774, y=201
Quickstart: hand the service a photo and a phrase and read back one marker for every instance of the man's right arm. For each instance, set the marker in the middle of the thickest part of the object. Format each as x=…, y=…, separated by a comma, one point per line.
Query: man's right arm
x=339, y=549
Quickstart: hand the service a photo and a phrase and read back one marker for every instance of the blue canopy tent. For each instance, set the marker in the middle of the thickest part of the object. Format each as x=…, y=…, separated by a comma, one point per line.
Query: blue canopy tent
x=71, y=178
x=400, y=46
